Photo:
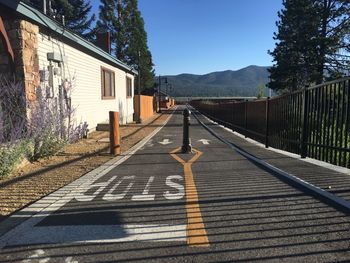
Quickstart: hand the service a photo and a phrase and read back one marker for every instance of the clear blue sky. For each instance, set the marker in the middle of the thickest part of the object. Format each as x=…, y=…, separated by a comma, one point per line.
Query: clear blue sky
x=202, y=36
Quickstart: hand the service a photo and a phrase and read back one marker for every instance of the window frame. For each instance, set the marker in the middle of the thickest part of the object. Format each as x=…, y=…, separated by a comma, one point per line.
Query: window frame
x=128, y=89
x=103, y=88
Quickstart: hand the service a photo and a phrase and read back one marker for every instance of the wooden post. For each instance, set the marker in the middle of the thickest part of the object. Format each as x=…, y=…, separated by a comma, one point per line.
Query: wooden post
x=114, y=133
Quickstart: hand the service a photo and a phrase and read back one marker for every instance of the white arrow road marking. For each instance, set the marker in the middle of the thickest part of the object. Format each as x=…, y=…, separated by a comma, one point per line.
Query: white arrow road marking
x=204, y=141
x=165, y=142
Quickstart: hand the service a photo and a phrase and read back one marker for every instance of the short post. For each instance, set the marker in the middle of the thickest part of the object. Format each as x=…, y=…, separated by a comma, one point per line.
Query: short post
x=114, y=134
x=186, y=142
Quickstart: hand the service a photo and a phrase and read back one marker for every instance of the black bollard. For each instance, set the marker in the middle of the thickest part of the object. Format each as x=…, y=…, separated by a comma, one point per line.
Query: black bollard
x=186, y=142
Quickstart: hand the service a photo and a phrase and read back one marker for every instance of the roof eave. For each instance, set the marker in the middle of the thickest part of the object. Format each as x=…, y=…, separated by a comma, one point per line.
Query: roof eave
x=45, y=21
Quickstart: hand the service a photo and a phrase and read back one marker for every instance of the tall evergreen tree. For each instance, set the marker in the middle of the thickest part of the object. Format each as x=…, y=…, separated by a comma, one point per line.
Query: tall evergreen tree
x=121, y=30
x=76, y=13
x=294, y=53
x=112, y=19
x=128, y=36
x=312, y=43
x=108, y=19
x=137, y=52
x=333, y=37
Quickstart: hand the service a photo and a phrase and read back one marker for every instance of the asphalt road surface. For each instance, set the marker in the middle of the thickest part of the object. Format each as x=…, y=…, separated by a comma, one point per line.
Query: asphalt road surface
x=159, y=205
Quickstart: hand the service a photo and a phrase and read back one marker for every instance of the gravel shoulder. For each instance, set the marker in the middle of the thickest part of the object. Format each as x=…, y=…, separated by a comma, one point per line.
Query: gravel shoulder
x=35, y=180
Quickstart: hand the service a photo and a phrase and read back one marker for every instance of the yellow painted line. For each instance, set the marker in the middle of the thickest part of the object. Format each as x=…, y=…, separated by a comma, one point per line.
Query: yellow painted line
x=196, y=233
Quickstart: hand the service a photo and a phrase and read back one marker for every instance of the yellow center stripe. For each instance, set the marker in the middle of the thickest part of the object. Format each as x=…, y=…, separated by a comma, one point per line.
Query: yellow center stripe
x=196, y=233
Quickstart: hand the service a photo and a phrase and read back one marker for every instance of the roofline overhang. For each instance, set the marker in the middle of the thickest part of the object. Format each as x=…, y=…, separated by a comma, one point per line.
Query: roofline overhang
x=49, y=24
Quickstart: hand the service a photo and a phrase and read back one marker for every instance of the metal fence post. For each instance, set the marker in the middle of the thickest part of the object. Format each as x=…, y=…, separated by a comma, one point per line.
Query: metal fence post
x=267, y=123
x=233, y=117
x=304, y=127
x=245, y=118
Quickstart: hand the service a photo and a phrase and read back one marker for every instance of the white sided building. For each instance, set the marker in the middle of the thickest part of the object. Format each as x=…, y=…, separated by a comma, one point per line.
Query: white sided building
x=66, y=65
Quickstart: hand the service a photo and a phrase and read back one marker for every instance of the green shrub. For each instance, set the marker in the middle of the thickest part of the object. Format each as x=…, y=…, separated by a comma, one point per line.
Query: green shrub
x=46, y=146
x=35, y=129
x=12, y=155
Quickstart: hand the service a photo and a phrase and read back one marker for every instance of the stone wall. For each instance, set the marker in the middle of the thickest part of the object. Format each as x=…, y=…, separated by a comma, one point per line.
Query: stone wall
x=23, y=36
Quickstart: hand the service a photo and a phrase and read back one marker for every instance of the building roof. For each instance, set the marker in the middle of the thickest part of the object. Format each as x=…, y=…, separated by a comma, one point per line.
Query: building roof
x=50, y=24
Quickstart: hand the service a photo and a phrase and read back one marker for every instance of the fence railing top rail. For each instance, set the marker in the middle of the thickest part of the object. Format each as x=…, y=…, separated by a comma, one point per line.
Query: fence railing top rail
x=329, y=83
x=312, y=87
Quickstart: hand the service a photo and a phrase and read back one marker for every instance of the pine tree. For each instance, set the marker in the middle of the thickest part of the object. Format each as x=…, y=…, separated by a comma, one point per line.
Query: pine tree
x=333, y=38
x=108, y=19
x=112, y=16
x=260, y=91
x=121, y=30
x=76, y=14
x=294, y=54
x=137, y=52
x=128, y=36
x=313, y=43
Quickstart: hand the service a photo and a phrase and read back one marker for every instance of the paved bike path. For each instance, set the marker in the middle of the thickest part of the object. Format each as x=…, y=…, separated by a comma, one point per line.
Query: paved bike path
x=335, y=182
x=160, y=205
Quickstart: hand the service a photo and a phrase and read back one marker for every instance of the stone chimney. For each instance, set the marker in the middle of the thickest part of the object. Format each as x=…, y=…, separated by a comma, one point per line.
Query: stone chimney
x=104, y=41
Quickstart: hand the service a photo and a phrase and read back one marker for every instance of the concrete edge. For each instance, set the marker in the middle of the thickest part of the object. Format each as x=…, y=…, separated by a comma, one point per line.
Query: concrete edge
x=47, y=205
x=316, y=191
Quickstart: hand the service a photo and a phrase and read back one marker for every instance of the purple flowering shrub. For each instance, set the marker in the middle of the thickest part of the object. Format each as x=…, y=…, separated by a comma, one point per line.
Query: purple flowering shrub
x=33, y=129
x=14, y=143
x=52, y=124
x=12, y=111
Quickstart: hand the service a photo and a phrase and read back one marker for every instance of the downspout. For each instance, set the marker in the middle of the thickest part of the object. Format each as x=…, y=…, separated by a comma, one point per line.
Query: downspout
x=7, y=40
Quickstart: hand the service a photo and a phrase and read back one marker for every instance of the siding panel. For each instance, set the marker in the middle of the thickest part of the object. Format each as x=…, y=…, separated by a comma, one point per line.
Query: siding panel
x=84, y=73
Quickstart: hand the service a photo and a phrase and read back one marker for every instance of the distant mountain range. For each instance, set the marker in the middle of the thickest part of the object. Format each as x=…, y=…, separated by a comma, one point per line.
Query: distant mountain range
x=243, y=82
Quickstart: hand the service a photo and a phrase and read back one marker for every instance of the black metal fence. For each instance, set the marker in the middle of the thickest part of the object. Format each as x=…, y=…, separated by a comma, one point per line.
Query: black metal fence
x=313, y=122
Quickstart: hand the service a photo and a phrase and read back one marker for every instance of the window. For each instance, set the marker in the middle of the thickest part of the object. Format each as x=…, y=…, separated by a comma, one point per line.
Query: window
x=108, y=86
x=128, y=87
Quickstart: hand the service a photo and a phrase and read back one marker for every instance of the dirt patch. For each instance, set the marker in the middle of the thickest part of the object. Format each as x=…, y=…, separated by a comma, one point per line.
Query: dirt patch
x=36, y=180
